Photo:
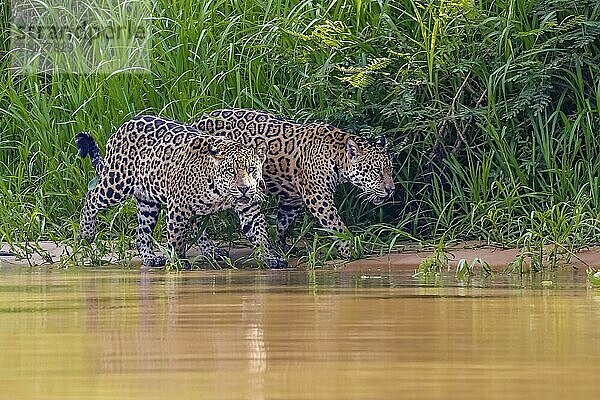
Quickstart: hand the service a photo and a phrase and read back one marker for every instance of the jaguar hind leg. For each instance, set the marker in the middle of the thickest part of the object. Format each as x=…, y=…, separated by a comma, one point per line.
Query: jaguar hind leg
x=99, y=198
x=287, y=211
x=206, y=246
x=209, y=249
x=178, y=222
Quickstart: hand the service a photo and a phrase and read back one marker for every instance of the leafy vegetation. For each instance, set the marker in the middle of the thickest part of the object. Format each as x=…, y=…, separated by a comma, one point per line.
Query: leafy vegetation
x=493, y=109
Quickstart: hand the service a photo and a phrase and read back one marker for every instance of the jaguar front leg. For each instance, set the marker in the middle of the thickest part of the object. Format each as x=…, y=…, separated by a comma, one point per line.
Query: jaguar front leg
x=323, y=209
x=254, y=227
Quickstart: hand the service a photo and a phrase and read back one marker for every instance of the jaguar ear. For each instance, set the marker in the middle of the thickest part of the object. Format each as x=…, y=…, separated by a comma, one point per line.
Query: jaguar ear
x=352, y=149
x=382, y=142
x=215, y=151
x=261, y=150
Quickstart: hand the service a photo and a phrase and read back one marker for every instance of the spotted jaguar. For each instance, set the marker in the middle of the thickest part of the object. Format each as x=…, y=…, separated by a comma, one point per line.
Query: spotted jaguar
x=305, y=163
x=163, y=162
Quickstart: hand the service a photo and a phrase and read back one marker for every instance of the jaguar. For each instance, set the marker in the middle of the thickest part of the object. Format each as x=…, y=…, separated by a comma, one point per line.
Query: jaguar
x=165, y=163
x=306, y=162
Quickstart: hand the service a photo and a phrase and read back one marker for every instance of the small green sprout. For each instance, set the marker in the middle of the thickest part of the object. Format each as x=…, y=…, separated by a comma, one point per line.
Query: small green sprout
x=593, y=276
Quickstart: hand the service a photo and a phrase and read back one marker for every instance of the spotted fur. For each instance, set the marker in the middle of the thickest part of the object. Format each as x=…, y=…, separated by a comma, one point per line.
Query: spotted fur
x=162, y=162
x=306, y=162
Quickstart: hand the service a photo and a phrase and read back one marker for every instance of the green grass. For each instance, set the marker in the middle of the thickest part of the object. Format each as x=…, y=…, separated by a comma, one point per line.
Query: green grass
x=492, y=108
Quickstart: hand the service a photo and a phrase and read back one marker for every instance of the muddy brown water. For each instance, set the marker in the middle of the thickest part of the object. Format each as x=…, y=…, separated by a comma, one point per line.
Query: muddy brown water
x=126, y=334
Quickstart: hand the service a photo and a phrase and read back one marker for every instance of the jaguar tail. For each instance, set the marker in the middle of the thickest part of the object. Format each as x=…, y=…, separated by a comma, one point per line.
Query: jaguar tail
x=88, y=148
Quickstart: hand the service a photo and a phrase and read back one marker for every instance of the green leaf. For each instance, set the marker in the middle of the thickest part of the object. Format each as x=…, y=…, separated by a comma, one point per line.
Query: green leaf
x=93, y=183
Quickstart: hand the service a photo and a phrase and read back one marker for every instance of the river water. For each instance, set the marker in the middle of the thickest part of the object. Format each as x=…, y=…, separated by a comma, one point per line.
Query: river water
x=126, y=334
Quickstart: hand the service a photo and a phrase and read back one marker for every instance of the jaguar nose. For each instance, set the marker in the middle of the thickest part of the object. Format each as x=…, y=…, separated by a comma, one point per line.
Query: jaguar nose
x=243, y=189
x=390, y=188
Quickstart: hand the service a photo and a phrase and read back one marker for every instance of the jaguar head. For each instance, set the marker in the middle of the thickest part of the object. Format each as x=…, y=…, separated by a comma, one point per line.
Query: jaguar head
x=370, y=169
x=239, y=170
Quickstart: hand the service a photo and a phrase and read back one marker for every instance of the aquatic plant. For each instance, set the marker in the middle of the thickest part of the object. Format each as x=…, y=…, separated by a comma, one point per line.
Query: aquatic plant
x=464, y=269
x=593, y=276
x=436, y=262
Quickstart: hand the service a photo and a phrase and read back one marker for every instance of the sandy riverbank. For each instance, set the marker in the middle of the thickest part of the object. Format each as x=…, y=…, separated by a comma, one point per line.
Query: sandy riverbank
x=408, y=259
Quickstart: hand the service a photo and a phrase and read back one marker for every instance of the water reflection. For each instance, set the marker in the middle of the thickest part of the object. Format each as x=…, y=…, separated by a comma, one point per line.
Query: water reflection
x=294, y=334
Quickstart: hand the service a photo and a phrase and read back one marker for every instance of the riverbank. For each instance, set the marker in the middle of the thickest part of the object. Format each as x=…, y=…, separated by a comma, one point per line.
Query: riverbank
x=409, y=258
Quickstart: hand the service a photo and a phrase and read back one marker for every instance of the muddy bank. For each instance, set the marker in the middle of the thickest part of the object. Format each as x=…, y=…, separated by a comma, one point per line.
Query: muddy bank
x=496, y=257
x=48, y=253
